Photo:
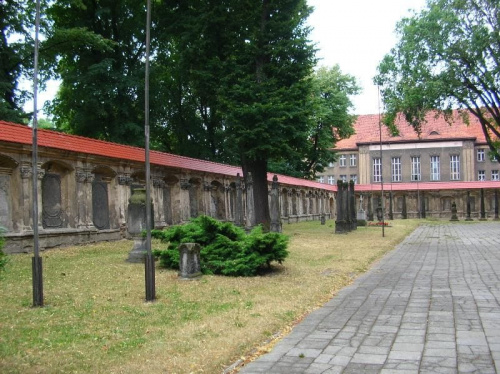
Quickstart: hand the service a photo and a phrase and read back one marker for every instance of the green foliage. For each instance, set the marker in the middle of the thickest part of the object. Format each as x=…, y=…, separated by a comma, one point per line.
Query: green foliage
x=226, y=248
x=3, y=256
x=448, y=57
x=361, y=222
x=16, y=56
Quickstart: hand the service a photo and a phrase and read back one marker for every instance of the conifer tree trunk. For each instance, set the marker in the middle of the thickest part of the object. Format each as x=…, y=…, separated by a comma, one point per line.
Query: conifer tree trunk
x=258, y=168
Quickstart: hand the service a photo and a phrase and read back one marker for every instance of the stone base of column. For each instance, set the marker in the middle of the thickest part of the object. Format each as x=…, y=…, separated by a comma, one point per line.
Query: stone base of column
x=138, y=252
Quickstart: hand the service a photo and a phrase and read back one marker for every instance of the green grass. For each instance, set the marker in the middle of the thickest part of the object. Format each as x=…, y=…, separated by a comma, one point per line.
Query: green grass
x=95, y=319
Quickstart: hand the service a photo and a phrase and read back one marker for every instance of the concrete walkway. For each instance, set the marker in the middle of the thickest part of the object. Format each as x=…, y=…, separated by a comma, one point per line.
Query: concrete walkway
x=430, y=306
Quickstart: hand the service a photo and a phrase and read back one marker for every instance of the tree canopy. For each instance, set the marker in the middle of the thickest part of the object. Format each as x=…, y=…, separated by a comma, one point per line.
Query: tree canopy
x=447, y=57
x=231, y=81
x=16, y=56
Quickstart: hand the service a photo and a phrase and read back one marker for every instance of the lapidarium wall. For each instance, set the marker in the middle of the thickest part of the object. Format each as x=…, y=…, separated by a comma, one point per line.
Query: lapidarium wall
x=84, y=187
x=83, y=197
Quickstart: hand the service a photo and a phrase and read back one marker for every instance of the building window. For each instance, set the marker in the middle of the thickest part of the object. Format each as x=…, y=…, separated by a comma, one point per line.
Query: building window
x=435, y=168
x=396, y=169
x=377, y=170
x=481, y=175
x=480, y=155
x=352, y=160
x=495, y=175
x=342, y=160
x=321, y=179
x=343, y=178
x=354, y=178
x=415, y=168
x=331, y=179
x=331, y=164
x=455, y=167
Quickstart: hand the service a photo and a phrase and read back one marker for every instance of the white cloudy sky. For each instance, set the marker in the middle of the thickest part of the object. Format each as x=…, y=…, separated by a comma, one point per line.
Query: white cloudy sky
x=356, y=34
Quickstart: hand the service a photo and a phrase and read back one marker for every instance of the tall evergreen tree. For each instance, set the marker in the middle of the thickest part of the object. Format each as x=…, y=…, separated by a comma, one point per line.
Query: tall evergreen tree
x=265, y=94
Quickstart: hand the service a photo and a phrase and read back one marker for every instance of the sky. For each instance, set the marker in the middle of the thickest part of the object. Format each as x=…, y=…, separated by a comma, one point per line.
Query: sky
x=356, y=35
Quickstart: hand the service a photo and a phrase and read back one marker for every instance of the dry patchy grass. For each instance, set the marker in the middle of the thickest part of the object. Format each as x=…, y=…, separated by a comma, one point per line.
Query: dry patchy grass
x=96, y=321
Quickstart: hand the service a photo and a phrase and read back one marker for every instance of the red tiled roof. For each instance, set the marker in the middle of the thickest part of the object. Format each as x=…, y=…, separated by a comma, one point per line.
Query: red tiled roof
x=434, y=129
x=429, y=186
x=14, y=133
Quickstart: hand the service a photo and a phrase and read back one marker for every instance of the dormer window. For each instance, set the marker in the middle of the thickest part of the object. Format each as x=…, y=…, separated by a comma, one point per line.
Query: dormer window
x=433, y=132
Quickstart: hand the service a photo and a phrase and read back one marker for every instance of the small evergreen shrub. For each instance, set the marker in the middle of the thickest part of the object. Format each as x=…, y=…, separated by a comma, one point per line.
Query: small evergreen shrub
x=3, y=256
x=361, y=222
x=225, y=248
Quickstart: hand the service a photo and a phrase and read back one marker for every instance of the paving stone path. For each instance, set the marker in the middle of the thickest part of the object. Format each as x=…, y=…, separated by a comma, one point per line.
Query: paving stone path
x=430, y=306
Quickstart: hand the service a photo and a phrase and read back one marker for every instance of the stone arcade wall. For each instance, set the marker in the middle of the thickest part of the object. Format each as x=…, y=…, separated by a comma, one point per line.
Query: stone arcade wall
x=83, y=198
x=84, y=187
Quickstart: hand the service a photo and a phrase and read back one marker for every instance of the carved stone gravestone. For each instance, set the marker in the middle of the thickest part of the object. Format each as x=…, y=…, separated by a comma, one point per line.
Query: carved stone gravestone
x=189, y=261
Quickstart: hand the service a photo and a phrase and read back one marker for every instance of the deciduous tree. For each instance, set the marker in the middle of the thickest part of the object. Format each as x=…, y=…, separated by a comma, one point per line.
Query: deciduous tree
x=447, y=57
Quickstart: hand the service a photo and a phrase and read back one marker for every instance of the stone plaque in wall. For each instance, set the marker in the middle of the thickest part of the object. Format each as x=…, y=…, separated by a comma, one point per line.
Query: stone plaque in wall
x=51, y=201
x=100, y=206
x=5, y=220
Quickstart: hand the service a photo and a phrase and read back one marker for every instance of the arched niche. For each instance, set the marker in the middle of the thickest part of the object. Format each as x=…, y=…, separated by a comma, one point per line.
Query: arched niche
x=7, y=166
x=55, y=194
x=103, y=176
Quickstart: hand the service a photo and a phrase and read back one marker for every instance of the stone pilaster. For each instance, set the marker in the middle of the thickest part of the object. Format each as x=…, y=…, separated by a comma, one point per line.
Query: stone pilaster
x=275, y=206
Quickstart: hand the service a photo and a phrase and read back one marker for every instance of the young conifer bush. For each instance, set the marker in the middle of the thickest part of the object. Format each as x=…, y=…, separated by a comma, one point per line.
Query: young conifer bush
x=226, y=249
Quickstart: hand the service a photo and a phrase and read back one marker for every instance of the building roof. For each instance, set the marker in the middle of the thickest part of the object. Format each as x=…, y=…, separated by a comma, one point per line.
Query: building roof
x=21, y=134
x=428, y=186
x=436, y=128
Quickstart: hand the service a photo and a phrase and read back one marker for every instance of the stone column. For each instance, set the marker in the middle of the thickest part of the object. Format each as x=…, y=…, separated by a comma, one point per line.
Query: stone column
x=239, y=202
x=89, y=178
x=468, y=207
x=361, y=215
x=346, y=206
x=352, y=206
x=391, y=214
x=250, y=203
x=136, y=224
x=339, y=222
x=26, y=201
x=275, y=206
x=124, y=181
x=483, y=212
x=496, y=206
x=454, y=216
x=370, y=207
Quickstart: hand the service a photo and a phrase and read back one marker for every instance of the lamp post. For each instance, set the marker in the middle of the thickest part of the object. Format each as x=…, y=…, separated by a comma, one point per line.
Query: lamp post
x=36, y=260
x=149, y=260
x=381, y=168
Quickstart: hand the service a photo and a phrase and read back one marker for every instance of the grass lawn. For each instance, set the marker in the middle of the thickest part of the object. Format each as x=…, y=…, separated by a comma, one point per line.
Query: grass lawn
x=95, y=319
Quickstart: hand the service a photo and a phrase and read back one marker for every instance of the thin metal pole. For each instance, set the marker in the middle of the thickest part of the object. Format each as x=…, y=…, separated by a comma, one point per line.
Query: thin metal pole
x=381, y=163
x=149, y=261
x=37, y=260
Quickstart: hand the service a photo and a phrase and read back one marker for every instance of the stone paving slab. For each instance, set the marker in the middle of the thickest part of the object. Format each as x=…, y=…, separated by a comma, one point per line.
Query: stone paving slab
x=430, y=306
